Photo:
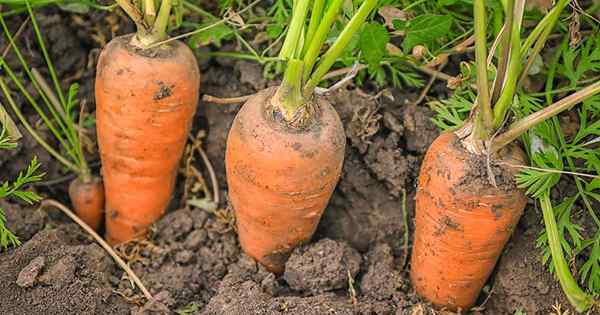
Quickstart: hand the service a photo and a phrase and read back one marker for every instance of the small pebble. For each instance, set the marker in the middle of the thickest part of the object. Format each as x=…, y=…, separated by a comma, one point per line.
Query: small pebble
x=184, y=256
x=28, y=275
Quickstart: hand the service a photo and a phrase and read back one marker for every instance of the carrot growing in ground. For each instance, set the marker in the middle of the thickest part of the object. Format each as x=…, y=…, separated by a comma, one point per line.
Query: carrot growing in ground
x=285, y=149
x=146, y=96
x=468, y=202
x=86, y=191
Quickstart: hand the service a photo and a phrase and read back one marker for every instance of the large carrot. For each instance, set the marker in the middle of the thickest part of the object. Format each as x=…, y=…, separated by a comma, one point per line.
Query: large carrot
x=146, y=98
x=467, y=202
x=285, y=149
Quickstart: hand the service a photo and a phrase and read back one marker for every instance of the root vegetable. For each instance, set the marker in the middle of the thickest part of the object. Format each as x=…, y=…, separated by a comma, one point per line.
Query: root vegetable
x=462, y=221
x=145, y=101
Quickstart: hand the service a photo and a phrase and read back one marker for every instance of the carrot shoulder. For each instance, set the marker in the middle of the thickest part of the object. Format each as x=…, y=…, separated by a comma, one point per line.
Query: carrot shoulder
x=145, y=103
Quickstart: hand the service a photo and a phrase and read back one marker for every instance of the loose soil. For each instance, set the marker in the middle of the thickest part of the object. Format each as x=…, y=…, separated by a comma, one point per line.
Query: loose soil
x=192, y=262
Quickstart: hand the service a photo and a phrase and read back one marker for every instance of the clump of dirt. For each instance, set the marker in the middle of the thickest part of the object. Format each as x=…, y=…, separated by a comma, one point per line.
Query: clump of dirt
x=23, y=221
x=54, y=273
x=381, y=281
x=323, y=266
x=187, y=255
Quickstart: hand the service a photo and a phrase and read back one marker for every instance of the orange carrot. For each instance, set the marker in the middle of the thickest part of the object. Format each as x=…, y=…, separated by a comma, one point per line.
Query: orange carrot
x=462, y=221
x=88, y=200
x=145, y=102
x=285, y=149
x=280, y=179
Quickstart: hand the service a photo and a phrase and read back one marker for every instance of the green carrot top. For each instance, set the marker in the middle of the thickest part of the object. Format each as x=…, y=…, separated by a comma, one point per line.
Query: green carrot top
x=303, y=45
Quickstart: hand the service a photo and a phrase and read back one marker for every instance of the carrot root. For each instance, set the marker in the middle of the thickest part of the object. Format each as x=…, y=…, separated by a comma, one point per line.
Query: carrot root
x=280, y=178
x=462, y=221
x=145, y=102
x=88, y=201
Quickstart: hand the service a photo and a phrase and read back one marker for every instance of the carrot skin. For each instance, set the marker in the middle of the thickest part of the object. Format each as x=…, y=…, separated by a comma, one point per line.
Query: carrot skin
x=88, y=201
x=280, y=179
x=145, y=103
x=462, y=223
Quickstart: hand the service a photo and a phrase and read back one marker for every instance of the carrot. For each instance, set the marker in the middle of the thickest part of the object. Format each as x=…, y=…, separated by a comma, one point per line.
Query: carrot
x=462, y=222
x=88, y=200
x=285, y=149
x=467, y=205
x=146, y=97
x=279, y=180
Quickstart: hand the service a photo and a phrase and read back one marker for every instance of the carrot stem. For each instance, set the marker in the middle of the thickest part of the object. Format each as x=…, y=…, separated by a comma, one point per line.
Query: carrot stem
x=541, y=41
x=505, y=52
x=550, y=18
x=292, y=46
x=162, y=20
x=521, y=126
x=315, y=16
x=47, y=58
x=290, y=91
x=508, y=92
x=339, y=45
x=578, y=298
x=149, y=12
x=316, y=41
x=483, y=92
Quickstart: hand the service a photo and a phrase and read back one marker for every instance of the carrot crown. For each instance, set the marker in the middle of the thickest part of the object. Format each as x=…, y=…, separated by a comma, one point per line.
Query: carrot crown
x=151, y=23
x=302, y=47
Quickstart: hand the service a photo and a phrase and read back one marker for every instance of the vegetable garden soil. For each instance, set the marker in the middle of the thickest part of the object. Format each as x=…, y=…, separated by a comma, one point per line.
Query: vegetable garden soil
x=192, y=262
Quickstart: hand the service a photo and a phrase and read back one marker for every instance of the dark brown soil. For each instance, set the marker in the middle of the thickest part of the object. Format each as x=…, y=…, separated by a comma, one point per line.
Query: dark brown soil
x=192, y=260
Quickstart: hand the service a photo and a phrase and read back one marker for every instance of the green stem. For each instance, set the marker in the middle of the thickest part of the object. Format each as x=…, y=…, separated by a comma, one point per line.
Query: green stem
x=49, y=63
x=31, y=77
x=339, y=45
x=149, y=12
x=521, y=126
x=483, y=92
x=238, y=55
x=134, y=14
x=550, y=18
x=576, y=296
x=289, y=93
x=32, y=131
x=290, y=50
x=508, y=93
x=315, y=16
x=505, y=52
x=315, y=44
x=541, y=41
x=192, y=7
x=30, y=99
x=162, y=21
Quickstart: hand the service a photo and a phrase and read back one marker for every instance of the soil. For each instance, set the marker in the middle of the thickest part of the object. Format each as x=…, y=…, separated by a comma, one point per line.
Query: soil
x=192, y=262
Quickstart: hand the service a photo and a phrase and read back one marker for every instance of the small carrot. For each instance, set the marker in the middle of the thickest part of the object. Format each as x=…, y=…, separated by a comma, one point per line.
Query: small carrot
x=146, y=97
x=285, y=149
x=86, y=191
x=462, y=222
x=88, y=200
